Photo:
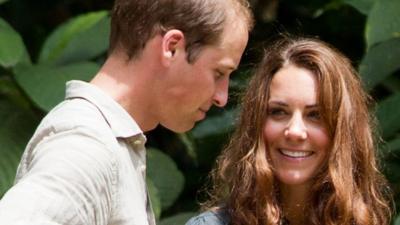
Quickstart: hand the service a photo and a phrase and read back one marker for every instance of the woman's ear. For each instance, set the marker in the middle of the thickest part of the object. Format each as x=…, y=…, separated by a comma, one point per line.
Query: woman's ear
x=173, y=43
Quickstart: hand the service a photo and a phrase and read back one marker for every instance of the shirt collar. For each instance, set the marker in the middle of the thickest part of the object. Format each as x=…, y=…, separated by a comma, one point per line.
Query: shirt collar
x=121, y=123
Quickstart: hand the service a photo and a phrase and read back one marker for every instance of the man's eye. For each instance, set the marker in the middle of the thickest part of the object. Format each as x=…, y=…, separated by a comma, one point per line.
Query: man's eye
x=219, y=74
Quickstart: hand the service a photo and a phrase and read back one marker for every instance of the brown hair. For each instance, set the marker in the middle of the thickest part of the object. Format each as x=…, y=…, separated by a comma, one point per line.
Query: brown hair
x=134, y=22
x=350, y=190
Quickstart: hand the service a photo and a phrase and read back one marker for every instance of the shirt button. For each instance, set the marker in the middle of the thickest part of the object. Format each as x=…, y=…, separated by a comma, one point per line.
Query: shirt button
x=137, y=142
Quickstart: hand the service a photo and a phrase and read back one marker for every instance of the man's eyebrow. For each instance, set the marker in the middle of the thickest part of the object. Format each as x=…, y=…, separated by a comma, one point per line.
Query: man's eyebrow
x=233, y=68
x=228, y=66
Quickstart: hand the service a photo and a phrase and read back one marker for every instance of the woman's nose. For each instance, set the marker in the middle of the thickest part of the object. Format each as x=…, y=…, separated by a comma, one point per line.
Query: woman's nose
x=296, y=129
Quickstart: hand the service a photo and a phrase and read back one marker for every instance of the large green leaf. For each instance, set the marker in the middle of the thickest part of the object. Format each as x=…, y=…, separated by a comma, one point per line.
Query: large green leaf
x=380, y=62
x=189, y=144
x=239, y=79
x=216, y=125
x=179, y=219
x=10, y=90
x=397, y=221
x=392, y=84
x=391, y=169
x=81, y=38
x=154, y=198
x=45, y=84
x=364, y=6
x=391, y=148
x=211, y=134
x=383, y=22
x=11, y=45
x=394, y=146
x=16, y=128
x=168, y=180
x=388, y=115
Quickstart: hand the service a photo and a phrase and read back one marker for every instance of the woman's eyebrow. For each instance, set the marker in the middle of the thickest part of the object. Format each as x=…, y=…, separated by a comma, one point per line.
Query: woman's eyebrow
x=277, y=102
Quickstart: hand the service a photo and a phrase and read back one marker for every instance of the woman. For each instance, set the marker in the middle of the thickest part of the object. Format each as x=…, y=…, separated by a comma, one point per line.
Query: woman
x=303, y=151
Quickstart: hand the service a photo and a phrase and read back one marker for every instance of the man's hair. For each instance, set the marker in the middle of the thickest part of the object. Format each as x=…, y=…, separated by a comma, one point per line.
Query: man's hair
x=135, y=22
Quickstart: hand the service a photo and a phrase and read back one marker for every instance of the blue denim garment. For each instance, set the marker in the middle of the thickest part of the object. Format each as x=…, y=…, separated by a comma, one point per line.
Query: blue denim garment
x=219, y=217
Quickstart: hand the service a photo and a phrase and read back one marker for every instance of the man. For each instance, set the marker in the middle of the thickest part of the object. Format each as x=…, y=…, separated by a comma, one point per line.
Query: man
x=169, y=62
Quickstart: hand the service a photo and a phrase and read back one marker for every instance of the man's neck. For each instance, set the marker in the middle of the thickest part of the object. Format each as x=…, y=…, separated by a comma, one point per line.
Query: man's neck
x=126, y=82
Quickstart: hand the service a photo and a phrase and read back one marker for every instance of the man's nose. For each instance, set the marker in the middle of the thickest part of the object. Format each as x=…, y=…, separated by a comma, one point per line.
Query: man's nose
x=296, y=129
x=220, y=97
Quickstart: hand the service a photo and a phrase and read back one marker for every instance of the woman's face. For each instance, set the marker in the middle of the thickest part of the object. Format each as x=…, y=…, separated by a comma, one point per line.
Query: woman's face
x=295, y=136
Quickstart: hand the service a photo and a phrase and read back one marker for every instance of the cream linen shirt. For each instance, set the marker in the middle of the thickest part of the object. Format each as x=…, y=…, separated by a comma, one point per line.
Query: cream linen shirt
x=85, y=165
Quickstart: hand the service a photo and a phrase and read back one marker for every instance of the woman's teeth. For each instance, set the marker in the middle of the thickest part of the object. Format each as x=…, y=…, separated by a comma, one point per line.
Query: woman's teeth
x=296, y=154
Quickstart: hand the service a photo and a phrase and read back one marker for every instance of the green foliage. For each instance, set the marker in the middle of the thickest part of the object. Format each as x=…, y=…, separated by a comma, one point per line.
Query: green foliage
x=394, y=145
x=388, y=115
x=154, y=197
x=187, y=141
x=392, y=84
x=17, y=125
x=215, y=125
x=10, y=91
x=383, y=22
x=167, y=179
x=380, y=62
x=79, y=39
x=11, y=45
x=364, y=6
x=45, y=84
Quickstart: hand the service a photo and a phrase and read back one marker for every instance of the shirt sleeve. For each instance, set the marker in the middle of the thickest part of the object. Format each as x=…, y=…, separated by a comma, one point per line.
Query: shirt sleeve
x=69, y=180
x=209, y=218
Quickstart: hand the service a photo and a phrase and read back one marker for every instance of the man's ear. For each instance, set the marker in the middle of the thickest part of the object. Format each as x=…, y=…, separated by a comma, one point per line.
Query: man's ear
x=173, y=43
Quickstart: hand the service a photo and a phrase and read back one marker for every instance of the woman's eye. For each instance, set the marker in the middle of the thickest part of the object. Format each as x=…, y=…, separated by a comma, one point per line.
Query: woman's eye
x=276, y=112
x=314, y=115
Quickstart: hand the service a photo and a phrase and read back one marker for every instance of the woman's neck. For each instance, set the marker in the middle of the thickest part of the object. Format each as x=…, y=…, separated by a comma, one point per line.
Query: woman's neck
x=293, y=199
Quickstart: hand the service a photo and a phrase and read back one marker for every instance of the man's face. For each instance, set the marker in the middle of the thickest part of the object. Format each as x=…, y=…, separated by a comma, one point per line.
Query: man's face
x=195, y=87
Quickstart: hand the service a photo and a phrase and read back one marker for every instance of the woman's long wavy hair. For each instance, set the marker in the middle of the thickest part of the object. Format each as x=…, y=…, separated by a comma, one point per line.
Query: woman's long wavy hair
x=349, y=190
